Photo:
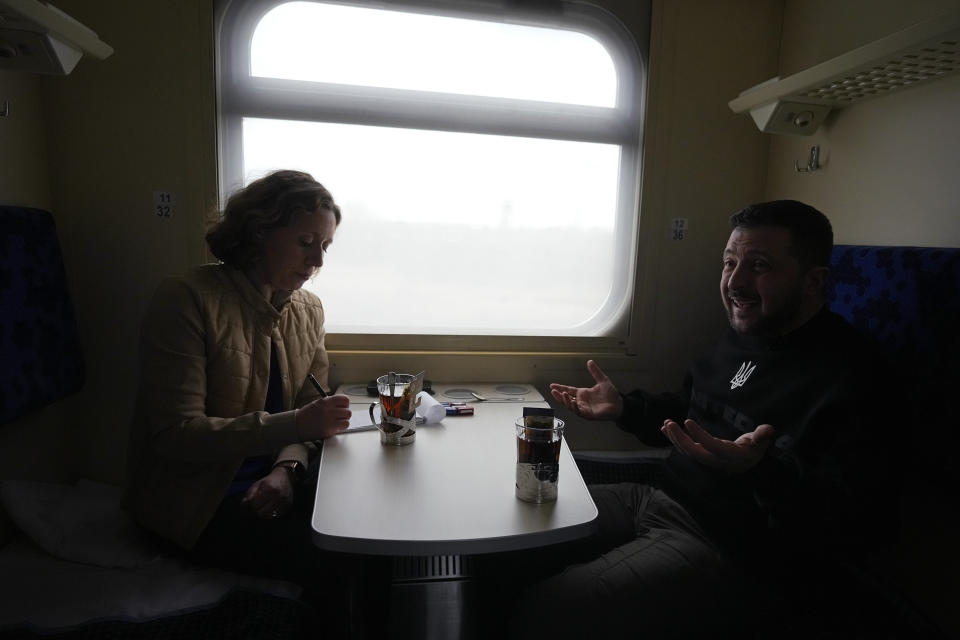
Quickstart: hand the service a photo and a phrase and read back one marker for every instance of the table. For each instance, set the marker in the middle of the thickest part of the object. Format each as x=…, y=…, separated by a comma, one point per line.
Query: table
x=450, y=492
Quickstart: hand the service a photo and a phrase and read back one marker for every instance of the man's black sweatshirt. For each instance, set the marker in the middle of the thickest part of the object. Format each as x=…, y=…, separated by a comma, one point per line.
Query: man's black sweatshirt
x=823, y=483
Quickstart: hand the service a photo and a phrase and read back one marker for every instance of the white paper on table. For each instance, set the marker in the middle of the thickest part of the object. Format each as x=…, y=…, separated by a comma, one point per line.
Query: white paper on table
x=360, y=420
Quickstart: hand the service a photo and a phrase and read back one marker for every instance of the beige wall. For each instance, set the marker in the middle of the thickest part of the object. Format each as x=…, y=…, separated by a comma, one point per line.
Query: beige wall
x=701, y=163
x=888, y=174
x=113, y=132
x=143, y=120
x=24, y=180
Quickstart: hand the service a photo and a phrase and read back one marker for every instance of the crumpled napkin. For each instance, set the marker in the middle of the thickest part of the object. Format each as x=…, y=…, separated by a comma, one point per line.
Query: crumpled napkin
x=430, y=410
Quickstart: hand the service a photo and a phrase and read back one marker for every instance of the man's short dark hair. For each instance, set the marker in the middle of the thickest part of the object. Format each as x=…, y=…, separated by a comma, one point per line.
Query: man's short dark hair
x=810, y=231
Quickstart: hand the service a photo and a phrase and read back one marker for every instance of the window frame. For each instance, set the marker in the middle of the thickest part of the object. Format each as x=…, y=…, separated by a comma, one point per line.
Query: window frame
x=241, y=95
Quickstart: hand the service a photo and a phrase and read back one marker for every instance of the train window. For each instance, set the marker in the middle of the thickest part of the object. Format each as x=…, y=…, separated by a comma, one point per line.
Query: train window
x=485, y=155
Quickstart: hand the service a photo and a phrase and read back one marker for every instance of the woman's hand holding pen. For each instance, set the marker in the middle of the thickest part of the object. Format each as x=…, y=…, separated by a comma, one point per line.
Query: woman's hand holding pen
x=324, y=417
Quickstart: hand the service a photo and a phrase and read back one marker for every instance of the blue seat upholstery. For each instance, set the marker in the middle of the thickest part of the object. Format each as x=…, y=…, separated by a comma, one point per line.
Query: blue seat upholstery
x=39, y=341
x=907, y=298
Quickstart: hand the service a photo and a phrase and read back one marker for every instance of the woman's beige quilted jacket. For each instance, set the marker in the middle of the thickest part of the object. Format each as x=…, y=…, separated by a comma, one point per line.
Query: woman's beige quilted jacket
x=205, y=361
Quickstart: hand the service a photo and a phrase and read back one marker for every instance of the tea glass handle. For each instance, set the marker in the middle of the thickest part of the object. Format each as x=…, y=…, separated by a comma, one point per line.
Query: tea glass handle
x=373, y=420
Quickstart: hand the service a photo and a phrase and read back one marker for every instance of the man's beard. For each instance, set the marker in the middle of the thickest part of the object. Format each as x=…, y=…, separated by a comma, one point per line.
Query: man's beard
x=768, y=324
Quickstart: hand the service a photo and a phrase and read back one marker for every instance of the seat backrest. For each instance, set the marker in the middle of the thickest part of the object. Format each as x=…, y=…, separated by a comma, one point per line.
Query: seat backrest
x=39, y=341
x=908, y=300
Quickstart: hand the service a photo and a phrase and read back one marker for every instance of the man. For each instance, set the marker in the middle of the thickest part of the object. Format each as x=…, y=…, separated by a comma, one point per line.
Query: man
x=775, y=462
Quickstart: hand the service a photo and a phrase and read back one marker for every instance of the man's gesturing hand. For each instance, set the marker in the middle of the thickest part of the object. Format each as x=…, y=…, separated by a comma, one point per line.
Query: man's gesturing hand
x=602, y=401
x=734, y=456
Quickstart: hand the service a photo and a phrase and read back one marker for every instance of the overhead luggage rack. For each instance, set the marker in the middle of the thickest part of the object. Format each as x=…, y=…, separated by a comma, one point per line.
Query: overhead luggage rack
x=798, y=104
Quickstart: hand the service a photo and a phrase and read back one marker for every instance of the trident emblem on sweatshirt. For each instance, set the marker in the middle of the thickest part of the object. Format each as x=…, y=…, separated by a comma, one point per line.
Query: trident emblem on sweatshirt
x=741, y=376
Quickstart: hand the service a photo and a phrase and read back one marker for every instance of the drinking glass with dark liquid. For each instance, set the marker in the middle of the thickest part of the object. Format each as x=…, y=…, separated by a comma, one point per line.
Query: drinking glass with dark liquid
x=398, y=407
x=538, y=457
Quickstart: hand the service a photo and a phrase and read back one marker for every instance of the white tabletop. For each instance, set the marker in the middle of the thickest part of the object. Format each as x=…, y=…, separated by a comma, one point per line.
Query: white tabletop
x=450, y=492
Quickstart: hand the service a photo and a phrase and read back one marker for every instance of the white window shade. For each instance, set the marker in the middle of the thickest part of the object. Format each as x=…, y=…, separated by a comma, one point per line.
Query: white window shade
x=374, y=47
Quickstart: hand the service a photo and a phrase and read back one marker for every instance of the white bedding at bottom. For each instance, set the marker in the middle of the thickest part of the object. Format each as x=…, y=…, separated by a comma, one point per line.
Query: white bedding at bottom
x=45, y=592
x=81, y=559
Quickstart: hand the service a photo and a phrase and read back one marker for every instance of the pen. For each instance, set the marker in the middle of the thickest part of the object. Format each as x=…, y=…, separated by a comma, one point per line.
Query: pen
x=323, y=394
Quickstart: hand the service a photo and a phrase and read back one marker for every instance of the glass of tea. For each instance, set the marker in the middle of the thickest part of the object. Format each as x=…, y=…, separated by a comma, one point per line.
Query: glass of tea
x=538, y=459
x=398, y=408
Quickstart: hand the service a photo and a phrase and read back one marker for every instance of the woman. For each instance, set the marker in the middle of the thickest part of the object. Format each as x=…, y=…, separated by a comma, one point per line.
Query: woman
x=226, y=416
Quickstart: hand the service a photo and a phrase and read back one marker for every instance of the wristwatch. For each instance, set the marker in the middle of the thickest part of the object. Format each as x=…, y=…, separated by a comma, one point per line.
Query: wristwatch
x=295, y=467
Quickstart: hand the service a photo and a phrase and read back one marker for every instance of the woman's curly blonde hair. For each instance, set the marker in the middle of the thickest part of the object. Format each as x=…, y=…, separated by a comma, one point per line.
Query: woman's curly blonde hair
x=236, y=239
